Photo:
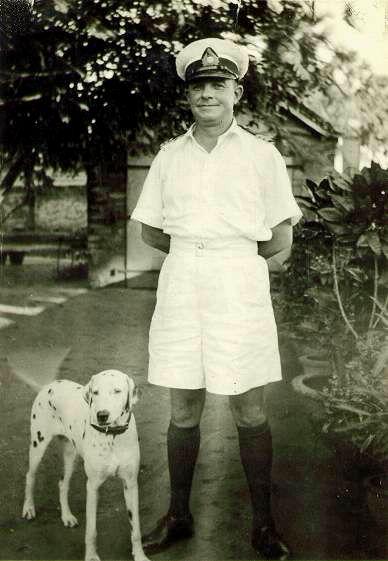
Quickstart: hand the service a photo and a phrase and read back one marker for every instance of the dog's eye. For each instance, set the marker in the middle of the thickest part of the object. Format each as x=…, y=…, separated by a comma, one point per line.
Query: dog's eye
x=117, y=390
x=95, y=392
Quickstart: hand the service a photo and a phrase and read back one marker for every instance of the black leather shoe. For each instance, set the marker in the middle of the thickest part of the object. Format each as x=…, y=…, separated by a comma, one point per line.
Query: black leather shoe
x=268, y=544
x=168, y=531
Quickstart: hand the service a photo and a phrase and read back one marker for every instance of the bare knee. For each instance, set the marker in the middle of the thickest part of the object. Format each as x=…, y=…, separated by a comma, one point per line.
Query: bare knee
x=247, y=408
x=186, y=407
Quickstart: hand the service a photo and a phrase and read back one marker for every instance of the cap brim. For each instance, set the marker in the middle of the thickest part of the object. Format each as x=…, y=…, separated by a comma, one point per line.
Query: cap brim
x=211, y=74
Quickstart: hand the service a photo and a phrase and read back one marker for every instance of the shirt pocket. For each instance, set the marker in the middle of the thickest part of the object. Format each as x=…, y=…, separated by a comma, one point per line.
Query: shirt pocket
x=239, y=198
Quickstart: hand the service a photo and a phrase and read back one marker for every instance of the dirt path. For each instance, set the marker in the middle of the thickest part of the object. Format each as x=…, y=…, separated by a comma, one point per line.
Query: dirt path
x=108, y=328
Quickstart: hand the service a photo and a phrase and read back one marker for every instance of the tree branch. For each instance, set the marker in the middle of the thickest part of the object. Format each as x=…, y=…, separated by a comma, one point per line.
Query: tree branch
x=375, y=296
x=12, y=174
x=15, y=208
x=338, y=296
x=383, y=312
x=48, y=74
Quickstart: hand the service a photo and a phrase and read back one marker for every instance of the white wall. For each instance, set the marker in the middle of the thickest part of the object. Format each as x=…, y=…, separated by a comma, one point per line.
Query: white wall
x=140, y=257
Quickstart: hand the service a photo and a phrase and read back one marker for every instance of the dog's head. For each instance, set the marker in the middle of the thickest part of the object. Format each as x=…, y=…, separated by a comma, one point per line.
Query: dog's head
x=110, y=395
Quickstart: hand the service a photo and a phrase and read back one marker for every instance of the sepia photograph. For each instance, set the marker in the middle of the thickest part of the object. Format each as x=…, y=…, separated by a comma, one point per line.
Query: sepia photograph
x=193, y=280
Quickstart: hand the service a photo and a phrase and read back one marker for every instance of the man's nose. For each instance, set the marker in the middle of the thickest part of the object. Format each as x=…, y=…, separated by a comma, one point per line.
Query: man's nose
x=207, y=90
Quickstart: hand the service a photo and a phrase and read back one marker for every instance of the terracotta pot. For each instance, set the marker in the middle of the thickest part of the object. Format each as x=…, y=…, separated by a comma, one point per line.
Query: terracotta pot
x=311, y=383
x=377, y=498
x=309, y=386
x=314, y=364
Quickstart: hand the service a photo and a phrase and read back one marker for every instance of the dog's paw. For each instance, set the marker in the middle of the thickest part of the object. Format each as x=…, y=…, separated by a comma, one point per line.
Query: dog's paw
x=93, y=557
x=141, y=557
x=28, y=511
x=69, y=520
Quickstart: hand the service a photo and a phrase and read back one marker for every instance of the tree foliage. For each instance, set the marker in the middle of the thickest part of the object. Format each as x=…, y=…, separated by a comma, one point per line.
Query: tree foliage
x=355, y=102
x=90, y=75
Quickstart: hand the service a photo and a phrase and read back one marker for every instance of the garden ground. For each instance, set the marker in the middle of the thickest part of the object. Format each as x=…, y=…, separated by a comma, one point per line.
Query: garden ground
x=318, y=512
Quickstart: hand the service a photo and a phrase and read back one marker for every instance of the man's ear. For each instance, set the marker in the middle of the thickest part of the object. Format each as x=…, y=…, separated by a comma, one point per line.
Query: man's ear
x=238, y=92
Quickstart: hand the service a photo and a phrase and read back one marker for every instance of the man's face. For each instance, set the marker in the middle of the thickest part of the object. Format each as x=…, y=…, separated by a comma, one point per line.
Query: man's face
x=212, y=99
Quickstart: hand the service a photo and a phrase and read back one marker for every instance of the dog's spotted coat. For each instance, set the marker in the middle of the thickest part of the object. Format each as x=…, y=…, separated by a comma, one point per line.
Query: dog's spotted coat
x=95, y=422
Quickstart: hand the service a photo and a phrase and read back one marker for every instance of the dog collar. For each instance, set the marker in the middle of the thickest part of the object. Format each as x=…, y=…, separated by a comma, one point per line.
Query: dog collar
x=112, y=430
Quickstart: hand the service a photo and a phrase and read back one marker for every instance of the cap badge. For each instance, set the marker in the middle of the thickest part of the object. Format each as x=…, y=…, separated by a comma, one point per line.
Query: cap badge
x=210, y=58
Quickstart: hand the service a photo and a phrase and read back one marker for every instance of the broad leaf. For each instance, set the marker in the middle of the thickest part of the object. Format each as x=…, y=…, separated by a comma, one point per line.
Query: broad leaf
x=323, y=296
x=373, y=241
x=342, y=183
x=311, y=184
x=331, y=214
x=337, y=229
x=308, y=214
x=367, y=442
x=344, y=201
x=362, y=241
x=325, y=184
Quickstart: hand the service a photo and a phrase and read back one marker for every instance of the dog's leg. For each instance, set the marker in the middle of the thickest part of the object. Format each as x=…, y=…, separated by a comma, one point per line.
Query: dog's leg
x=69, y=456
x=38, y=445
x=131, y=494
x=92, y=487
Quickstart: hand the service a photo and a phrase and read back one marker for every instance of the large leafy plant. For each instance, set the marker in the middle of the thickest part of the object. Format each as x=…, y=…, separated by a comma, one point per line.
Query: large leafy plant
x=356, y=399
x=348, y=220
x=347, y=225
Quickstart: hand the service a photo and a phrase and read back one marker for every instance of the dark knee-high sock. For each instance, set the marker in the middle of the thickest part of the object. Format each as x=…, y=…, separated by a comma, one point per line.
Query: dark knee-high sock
x=256, y=457
x=182, y=449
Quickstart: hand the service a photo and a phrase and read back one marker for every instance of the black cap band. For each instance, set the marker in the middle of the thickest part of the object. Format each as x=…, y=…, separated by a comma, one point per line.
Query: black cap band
x=211, y=66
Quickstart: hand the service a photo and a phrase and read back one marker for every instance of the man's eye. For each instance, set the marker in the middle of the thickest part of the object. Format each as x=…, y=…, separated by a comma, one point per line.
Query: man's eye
x=95, y=392
x=117, y=390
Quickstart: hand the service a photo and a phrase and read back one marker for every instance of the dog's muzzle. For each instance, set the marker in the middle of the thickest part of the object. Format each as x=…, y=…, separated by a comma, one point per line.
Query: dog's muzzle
x=112, y=429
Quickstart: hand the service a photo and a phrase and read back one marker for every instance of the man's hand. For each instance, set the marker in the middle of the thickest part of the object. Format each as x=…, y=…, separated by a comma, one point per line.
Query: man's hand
x=281, y=240
x=156, y=238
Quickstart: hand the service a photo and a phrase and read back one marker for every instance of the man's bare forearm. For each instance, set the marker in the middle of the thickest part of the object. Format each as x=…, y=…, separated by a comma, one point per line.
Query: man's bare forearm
x=156, y=238
x=281, y=240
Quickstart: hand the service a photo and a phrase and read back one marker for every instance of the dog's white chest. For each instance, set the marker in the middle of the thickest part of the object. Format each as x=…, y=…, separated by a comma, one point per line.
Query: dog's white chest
x=100, y=453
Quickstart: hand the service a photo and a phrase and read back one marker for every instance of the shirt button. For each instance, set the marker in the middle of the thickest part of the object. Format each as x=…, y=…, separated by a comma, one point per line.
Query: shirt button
x=200, y=245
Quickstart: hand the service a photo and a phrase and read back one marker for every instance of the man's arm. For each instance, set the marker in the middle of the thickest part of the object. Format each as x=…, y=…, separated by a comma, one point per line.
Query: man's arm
x=155, y=237
x=281, y=240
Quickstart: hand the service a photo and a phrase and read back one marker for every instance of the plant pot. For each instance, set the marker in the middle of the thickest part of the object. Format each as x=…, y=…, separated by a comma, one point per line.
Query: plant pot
x=310, y=384
x=309, y=387
x=377, y=498
x=355, y=465
x=312, y=363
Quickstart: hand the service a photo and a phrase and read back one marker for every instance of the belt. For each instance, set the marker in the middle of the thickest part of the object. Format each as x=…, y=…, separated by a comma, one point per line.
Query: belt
x=233, y=247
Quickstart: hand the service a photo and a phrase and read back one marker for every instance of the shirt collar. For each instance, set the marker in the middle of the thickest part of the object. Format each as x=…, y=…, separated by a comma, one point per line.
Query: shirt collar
x=234, y=129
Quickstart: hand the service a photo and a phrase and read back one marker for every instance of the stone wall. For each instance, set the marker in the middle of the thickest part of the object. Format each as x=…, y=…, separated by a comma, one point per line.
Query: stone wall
x=63, y=209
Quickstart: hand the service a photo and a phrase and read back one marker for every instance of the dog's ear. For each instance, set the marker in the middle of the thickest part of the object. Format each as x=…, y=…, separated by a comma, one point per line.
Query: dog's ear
x=87, y=392
x=133, y=393
x=136, y=393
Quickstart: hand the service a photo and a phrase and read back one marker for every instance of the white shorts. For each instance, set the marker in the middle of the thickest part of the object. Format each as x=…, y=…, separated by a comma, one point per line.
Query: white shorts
x=213, y=326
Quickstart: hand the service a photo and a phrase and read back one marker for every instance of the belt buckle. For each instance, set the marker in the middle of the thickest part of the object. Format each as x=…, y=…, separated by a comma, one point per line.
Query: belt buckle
x=200, y=246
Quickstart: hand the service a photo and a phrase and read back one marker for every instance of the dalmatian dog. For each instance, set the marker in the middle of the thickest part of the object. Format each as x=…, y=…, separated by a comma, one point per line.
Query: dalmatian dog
x=97, y=423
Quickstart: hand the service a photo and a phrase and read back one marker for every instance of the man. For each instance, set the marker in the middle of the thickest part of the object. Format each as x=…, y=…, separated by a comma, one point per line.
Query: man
x=219, y=201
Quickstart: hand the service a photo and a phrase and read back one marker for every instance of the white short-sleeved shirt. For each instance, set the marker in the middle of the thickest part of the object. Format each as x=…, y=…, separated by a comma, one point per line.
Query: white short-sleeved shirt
x=240, y=188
